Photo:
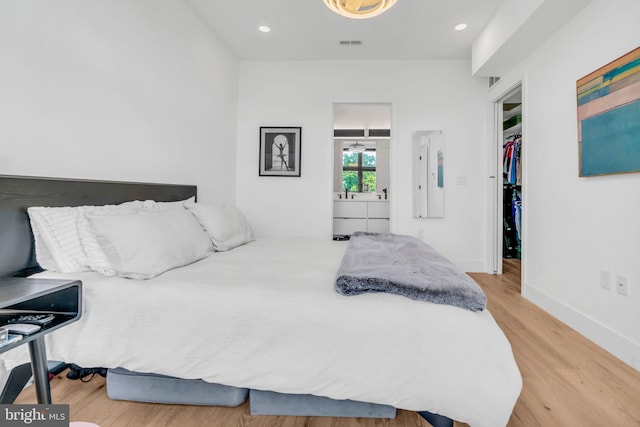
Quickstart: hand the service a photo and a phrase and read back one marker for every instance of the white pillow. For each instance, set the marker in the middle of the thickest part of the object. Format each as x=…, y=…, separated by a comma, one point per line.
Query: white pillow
x=96, y=258
x=57, y=239
x=145, y=243
x=226, y=225
x=152, y=204
x=57, y=242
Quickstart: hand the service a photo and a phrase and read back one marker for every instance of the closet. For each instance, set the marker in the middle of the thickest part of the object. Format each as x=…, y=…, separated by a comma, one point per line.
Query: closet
x=512, y=176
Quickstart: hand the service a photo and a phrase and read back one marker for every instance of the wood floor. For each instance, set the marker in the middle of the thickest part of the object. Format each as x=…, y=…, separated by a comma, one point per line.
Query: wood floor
x=511, y=270
x=568, y=381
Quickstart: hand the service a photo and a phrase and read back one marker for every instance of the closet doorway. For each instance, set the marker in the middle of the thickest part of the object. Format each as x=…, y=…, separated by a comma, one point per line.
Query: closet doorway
x=509, y=241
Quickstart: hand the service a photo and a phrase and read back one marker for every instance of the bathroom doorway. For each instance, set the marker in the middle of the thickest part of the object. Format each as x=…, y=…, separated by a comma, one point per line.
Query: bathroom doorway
x=361, y=179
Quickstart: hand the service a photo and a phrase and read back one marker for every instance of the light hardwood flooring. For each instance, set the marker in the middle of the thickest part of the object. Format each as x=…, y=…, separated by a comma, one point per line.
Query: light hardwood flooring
x=511, y=270
x=567, y=381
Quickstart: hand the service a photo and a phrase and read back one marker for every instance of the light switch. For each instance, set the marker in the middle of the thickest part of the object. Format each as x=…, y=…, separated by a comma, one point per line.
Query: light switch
x=605, y=279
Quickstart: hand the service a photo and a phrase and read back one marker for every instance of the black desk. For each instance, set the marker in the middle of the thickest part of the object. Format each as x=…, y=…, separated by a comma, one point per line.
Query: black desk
x=22, y=296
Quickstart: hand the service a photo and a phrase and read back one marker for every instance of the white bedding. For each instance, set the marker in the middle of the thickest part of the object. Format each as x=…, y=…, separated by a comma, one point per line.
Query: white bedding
x=266, y=316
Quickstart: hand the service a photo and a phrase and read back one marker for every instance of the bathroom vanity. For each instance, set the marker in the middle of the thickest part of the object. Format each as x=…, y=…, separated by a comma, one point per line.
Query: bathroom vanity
x=360, y=215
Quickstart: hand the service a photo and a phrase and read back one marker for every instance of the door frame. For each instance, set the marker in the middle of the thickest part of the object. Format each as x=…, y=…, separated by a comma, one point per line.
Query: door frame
x=366, y=100
x=496, y=183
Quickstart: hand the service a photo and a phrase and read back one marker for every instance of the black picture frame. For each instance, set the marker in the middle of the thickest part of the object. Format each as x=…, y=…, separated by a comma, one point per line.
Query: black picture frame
x=280, y=151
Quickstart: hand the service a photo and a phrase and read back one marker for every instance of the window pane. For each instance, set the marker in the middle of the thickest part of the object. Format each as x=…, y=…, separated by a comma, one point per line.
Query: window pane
x=350, y=180
x=369, y=158
x=349, y=159
x=368, y=181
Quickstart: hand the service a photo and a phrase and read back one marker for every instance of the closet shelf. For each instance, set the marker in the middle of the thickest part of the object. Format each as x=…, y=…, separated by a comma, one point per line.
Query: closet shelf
x=507, y=114
x=508, y=133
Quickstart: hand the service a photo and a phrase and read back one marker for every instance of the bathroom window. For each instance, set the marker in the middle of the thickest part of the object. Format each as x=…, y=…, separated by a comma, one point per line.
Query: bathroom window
x=359, y=171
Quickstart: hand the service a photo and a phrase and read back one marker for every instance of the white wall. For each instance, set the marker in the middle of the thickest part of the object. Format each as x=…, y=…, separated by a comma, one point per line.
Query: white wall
x=123, y=90
x=574, y=227
x=504, y=23
x=516, y=29
x=424, y=95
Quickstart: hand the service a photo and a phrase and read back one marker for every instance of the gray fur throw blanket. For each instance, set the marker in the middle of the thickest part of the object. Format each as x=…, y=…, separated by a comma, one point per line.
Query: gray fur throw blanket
x=405, y=265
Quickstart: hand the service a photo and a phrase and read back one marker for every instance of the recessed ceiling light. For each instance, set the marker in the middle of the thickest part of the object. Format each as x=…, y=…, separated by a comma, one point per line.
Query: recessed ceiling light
x=264, y=28
x=460, y=27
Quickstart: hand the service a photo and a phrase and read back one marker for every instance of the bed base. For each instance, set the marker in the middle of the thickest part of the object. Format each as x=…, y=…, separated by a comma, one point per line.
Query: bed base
x=152, y=388
x=307, y=405
x=141, y=387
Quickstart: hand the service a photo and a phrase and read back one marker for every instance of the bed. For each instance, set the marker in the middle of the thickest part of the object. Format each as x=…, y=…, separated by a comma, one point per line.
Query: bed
x=265, y=316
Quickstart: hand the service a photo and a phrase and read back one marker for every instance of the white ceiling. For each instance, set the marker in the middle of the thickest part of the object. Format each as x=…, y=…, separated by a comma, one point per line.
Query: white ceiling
x=308, y=30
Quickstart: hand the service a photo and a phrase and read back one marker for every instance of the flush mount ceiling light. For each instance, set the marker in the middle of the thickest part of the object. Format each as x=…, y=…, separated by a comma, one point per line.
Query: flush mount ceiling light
x=357, y=148
x=359, y=9
x=460, y=27
x=264, y=28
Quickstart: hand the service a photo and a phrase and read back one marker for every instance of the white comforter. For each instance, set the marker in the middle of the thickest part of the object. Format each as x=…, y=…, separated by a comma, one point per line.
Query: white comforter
x=266, y=316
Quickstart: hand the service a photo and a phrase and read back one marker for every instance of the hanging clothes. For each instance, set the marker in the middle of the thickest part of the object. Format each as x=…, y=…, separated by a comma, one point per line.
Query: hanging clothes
x=512, y=209
x=512, y=173
x=516, y=208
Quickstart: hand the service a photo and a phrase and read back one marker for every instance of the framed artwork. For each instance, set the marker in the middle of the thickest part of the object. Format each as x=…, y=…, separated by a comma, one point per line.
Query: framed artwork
x=280, y=151
x=609, y=118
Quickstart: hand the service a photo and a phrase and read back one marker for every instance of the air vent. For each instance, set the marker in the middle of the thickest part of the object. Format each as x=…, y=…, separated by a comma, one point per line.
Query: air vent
x=350, y=42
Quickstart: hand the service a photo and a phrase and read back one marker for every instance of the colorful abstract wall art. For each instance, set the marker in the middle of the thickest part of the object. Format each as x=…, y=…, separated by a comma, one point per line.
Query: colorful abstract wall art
x=609, y=118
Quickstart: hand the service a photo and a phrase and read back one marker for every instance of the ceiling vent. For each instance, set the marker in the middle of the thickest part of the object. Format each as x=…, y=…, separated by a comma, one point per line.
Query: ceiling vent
x=350, y=42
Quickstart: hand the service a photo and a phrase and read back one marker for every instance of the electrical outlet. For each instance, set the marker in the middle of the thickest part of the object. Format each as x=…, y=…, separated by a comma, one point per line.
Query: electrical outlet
x=622, y=285
x=605, y=279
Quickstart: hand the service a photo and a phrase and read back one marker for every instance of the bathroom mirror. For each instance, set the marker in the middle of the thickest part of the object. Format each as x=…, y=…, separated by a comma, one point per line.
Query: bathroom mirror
x=428, y=174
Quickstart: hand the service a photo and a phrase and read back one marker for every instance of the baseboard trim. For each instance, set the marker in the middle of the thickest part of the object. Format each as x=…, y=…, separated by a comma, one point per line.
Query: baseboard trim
x=620, y=346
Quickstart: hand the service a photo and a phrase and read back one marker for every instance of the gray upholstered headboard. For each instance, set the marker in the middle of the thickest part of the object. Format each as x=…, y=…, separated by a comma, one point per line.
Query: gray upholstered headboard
x=17, y=193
